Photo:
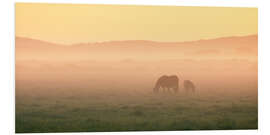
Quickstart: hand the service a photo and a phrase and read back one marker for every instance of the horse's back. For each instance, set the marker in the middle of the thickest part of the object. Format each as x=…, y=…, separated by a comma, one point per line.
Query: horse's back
x=168, y=81
x=172, y=81
x=173, y=77
x=162, y=78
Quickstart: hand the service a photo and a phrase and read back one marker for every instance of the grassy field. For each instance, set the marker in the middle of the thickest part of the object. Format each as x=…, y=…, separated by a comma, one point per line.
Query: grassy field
x=117, y=96
x=83, y=110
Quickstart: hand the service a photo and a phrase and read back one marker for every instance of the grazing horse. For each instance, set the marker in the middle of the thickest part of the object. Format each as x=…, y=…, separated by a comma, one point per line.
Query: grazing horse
x=167, y=82
x=189, y=86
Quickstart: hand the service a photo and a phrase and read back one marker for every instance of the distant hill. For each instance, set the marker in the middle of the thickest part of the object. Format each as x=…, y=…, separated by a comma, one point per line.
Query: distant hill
x=226, y=47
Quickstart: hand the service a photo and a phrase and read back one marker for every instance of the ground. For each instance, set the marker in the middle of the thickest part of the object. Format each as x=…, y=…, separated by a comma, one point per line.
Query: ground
x=85, y=110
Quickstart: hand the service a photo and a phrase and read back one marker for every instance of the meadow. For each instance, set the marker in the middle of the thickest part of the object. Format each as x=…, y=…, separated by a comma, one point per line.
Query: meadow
x=73, y=108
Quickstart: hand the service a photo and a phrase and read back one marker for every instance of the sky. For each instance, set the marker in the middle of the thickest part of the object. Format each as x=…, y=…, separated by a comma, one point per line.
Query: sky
x=77, y=23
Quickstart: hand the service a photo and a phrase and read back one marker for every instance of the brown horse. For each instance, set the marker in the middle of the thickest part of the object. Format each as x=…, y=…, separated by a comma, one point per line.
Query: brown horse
x=167, y=82
x=189, y=86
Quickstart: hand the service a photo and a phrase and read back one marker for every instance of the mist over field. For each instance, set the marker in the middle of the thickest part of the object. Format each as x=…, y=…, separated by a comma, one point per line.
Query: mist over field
x=108, y=86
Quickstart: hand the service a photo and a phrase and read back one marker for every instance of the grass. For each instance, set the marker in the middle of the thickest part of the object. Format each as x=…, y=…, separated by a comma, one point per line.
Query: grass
x=107, y=110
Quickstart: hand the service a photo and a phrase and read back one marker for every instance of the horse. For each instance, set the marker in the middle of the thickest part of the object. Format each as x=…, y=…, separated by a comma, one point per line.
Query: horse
x=167, y=82
x=189, y=86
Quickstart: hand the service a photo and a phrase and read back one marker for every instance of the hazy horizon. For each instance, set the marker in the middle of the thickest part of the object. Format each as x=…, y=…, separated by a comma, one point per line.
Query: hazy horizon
x=107, y=41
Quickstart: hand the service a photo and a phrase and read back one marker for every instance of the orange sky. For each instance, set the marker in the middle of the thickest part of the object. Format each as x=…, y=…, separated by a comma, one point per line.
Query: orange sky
x=73, y=23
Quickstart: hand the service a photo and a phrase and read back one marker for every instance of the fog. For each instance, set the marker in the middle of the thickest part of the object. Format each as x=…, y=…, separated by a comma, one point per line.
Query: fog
x=213, y=65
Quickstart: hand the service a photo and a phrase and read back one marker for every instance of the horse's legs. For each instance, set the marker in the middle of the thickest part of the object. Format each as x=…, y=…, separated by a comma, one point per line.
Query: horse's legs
x=163, y=89
x=193, y=90
x=190, y=91
x=175, y=90
x=166, y=89
x=169, y=90
x=187, y=90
